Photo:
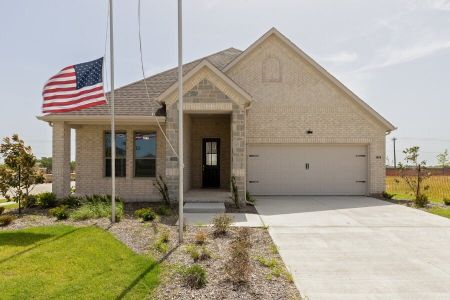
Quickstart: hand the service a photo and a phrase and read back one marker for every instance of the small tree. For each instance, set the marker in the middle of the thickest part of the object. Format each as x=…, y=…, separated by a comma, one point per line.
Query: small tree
x=415, y=181
x=442, y=159
x=19, y=173
x=47, y=163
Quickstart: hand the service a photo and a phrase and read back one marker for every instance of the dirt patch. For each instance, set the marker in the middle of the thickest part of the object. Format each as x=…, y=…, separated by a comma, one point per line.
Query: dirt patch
x=247, y=209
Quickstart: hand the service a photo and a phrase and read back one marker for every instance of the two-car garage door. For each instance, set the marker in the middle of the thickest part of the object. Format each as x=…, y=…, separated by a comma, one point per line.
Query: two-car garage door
x=307, y=169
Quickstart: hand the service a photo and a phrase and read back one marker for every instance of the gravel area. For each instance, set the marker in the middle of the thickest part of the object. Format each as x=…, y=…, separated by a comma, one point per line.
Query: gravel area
x=262, y=285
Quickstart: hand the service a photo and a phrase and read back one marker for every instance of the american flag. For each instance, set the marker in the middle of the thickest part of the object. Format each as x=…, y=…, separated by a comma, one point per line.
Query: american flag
x=75, y=87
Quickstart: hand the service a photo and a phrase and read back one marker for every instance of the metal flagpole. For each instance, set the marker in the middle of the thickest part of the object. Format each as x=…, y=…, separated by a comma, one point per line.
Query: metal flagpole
x=113, y=125
x=180, y=121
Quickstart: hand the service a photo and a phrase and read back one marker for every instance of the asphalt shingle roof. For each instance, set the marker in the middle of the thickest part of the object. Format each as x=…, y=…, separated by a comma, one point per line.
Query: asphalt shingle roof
x=132, y=99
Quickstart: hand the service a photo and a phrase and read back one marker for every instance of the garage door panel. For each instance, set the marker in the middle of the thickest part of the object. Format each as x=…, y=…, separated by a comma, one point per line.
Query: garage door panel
x=307, y=169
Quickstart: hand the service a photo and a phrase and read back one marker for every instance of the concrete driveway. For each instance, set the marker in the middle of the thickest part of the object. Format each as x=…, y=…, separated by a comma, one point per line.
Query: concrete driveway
x=360, y=247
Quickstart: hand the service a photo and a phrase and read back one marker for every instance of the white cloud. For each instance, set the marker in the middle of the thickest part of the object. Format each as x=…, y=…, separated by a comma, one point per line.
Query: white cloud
x=342, y=57
x=394, y=56
x=442, y=5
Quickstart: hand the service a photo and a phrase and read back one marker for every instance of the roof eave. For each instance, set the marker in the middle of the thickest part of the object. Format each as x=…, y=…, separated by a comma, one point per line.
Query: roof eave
x=101, y=120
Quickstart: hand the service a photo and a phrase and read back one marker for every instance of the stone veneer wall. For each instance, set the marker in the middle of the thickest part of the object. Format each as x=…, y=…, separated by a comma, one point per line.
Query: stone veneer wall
x=206, y=93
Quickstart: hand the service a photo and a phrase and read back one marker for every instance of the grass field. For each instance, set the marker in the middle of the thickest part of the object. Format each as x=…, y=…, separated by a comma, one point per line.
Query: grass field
x=63, y=262
x=8, y=206
x=439, y=188
x=440, y=211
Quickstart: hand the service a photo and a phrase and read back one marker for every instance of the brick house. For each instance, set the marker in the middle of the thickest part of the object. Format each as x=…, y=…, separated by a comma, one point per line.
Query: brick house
x=269, y=115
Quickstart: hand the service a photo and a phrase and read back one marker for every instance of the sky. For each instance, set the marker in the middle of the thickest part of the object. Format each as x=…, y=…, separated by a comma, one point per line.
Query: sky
x=394, y=54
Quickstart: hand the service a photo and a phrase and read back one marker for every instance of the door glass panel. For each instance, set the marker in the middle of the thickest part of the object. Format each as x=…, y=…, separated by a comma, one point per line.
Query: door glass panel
x=208, y=147
x=213, y=159
x=213, y=147
x=208, y=159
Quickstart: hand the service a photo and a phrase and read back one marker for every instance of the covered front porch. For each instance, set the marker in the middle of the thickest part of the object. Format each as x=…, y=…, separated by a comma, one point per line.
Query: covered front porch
x=214, y=114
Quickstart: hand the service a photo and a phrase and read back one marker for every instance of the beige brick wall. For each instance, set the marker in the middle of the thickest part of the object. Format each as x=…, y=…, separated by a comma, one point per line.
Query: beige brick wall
x=187, y=142
x=91, y=164
x=61, y=159
x=290, y=97
x=210, y=126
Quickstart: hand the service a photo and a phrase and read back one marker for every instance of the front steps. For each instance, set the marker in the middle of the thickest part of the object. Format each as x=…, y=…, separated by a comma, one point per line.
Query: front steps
x=207, y=196
x=204, y=207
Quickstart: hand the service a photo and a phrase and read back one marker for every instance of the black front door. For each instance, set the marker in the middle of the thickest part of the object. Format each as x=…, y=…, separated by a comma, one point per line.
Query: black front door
x=211, y=163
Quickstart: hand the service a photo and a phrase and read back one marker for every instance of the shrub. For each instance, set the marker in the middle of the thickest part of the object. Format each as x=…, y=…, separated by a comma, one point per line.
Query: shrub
x=96, y=210
x=195, y=276
x=235, y=192
x=162, y=242
x=164, y=210
x=205, y=254
x=146, y=214
x=200, y=237
x=2, y=210
x=446, y=201
x=198, y=253
x=387, y=195
x=221, y=224
x=249, y=198
x=267, y=262
x=238, y=267
x=60, y=212
x=95, y=198
x=46, y=200
x=421, y=200
x=5, y=220
x=243, y=236
x=161, y=186
x=73, y=201
x=192, y=250
x=30, y=201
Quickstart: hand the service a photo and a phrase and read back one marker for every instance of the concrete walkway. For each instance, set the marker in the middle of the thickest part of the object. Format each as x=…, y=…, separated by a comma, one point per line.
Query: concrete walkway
x=239, y=219
x=360, y=247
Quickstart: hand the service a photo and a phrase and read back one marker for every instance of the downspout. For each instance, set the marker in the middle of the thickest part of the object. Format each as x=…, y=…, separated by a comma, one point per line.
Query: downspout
x=245, y=150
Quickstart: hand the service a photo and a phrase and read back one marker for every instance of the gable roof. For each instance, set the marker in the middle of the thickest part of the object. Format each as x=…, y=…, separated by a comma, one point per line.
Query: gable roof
x=273, y=31
x=132, y=99
x=206, y=70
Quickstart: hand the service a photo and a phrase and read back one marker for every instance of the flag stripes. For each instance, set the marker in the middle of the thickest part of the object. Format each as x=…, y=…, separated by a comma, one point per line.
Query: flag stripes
x=74, y=87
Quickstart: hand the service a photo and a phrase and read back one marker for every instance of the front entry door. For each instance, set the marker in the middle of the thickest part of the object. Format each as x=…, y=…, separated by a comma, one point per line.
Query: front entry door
x=211, y=163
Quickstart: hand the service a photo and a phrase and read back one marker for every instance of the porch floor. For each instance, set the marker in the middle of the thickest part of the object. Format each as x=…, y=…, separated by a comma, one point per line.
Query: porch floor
x=207, y=195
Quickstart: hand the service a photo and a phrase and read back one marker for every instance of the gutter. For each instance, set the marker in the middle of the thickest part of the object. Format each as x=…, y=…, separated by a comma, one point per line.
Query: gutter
x=96, y=119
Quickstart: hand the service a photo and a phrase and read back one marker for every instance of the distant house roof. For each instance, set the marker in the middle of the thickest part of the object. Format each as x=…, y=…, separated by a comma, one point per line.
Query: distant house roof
x=132, y=99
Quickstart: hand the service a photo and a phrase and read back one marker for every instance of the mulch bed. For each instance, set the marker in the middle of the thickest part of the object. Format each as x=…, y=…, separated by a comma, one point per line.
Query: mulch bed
x=141, y=237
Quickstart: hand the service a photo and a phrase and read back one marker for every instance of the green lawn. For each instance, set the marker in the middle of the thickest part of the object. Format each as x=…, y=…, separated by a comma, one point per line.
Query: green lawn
x=63, y=262
x=439, y=188
x=440, y=211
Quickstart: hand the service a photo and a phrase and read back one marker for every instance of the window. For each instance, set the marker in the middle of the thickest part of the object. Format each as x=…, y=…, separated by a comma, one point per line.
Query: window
x=145, y=154
x=211, y=153
x=121, y=152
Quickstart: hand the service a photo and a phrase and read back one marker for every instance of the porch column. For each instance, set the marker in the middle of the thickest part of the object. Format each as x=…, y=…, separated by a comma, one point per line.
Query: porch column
x=61, y=159
x=171, y=159
x=238, y=149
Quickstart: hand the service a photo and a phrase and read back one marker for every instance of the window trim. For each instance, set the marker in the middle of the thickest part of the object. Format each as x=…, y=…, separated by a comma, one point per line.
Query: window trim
x=104, y=152
x=134, y=152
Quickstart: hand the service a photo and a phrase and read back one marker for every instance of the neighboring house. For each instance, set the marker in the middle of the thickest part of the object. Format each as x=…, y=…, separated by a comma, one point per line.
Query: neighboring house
x=270, y=116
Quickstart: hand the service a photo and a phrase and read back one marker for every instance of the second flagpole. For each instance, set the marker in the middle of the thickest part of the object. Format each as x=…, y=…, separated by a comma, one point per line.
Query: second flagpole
x=113, y=125
x=180, y=122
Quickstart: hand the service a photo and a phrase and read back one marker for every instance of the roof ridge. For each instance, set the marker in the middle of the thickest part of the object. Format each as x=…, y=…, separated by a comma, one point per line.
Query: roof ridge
x=198, y=60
